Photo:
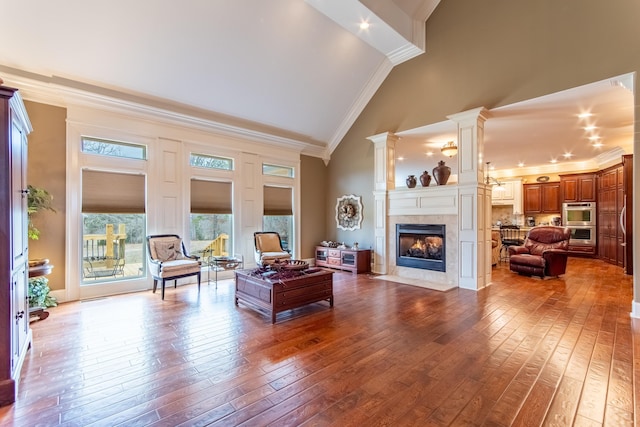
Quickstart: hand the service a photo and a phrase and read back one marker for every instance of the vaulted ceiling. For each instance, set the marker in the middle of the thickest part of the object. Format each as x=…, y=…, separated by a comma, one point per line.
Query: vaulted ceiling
x=296, y=72
x=292, y=69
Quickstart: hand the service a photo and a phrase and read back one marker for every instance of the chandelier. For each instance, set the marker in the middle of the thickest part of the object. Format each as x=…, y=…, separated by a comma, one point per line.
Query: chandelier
x=489, y=180
x=449, y=149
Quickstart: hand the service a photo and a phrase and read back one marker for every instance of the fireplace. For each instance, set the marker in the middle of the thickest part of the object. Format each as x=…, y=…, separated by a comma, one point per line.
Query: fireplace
x=421, y=246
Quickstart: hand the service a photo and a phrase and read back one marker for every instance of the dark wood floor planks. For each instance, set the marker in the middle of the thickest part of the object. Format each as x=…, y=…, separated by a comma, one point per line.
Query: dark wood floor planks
x=523, y=351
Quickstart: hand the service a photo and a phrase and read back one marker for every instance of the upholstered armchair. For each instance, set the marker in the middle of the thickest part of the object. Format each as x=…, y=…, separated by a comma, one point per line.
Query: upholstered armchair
x=544, y=252
x=268, y=248
x=496, y=245
x=168, y=260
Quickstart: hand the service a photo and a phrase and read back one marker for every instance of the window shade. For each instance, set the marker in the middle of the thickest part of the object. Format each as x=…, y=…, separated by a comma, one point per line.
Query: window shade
x=277, y=201
x=110, y=192
x=210, y=197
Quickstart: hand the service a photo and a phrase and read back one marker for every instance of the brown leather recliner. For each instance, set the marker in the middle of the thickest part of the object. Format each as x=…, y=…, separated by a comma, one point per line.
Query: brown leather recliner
x=544, y=252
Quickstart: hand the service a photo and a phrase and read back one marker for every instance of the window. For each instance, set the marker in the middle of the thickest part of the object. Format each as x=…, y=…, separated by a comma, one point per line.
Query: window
x=278, y=214
x=113, y=226
x=276, y=170
x=211, y=218
x=211, y=162
x=114, y=149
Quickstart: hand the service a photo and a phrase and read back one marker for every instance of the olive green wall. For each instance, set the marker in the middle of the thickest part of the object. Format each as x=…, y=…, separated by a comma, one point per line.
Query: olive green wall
x=485, y=53
x=313, y=199
x=46, y=168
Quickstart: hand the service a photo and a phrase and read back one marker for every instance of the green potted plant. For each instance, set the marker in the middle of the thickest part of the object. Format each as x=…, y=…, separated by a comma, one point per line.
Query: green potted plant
x=38, y=199
x=39, y=293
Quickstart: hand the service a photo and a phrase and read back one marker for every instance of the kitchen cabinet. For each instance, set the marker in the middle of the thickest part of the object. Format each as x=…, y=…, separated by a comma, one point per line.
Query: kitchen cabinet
x=508, y=193
x=542, y=198
x=611, y=201
x=15, y=334
x=578, y=187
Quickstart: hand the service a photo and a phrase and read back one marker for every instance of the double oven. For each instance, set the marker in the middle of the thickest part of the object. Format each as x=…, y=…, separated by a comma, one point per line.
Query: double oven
x=580, y=218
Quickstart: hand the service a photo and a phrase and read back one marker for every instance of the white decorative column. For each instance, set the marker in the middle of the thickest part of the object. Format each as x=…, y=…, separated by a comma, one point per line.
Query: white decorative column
x=474, y=201
x=384, y=175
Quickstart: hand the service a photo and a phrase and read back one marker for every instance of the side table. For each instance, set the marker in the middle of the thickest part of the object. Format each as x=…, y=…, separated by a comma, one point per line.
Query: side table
x=222, y=263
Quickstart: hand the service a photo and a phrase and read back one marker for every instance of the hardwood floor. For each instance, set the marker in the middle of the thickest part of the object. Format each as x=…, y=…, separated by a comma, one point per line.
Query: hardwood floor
x=523, y=351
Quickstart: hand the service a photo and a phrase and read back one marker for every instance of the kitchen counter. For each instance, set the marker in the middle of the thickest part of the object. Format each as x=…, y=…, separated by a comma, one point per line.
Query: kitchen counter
x=495, y=227
x=523, y=231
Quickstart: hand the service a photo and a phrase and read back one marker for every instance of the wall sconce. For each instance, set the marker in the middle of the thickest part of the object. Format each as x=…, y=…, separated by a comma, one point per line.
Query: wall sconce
x=449, y=149
x=489, y=180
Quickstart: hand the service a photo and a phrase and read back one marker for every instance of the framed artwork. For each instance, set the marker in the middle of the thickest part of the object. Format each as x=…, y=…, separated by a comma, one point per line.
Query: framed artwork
x=349, y=212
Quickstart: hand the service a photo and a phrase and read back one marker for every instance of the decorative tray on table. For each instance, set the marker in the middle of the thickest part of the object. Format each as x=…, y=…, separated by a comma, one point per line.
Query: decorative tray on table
x=281, y=270
x=292, y=264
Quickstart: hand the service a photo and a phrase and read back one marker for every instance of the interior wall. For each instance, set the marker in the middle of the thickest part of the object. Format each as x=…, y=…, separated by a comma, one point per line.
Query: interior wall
x=486, y=53
x=313, y=198
x=46, y=168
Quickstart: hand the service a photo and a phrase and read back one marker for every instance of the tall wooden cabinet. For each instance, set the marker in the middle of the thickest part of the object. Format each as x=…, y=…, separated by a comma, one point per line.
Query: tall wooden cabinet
x=615, y=214
x=15, y=334
x=609, y=208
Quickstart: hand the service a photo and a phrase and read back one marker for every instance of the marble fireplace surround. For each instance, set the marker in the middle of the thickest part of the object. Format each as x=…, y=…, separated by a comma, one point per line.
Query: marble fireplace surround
x=430, y=205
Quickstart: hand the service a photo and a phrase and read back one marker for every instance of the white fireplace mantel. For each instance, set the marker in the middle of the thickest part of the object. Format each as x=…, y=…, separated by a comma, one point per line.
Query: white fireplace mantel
x=433, y=200
x=464, y=207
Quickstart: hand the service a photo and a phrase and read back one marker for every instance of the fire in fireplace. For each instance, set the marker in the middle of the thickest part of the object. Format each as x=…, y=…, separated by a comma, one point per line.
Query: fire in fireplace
x=421, y=246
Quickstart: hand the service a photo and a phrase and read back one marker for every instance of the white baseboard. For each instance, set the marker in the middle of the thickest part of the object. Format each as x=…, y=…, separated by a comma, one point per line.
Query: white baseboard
x=635, y=309
x=59, y=295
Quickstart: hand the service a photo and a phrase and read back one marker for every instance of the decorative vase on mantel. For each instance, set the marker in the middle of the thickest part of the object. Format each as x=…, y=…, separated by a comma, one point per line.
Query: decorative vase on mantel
x=411, y=181
x=425, y=179
x=441, y=173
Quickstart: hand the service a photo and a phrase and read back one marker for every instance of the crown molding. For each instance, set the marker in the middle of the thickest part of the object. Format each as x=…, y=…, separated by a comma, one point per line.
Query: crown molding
x=610, y=157
x=404, y=53
x=550, y=169
x=360, y=103
x=59, y=92
x=602, y=161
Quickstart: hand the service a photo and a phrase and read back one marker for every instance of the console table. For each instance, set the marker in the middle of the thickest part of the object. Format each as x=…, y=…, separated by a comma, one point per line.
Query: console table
x=354, y=260
x=273, y=292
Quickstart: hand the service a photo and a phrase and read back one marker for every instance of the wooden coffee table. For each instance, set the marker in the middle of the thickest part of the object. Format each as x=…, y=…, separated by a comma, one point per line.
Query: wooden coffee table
x=274, y=293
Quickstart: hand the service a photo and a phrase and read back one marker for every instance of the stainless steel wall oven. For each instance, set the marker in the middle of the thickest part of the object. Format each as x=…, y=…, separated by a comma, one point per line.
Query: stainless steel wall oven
x=579, y=213
x=582, y=235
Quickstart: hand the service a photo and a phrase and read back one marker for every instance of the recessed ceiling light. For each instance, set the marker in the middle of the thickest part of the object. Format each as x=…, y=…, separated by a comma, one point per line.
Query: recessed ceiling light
x=401, y=158
x=598, y=144
x=584, y=115
x=520, y=164
x=553, y=161
x=429, y=153
x=567, y=155
x=364, y=25
x=594, y=138
x=589, y=128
